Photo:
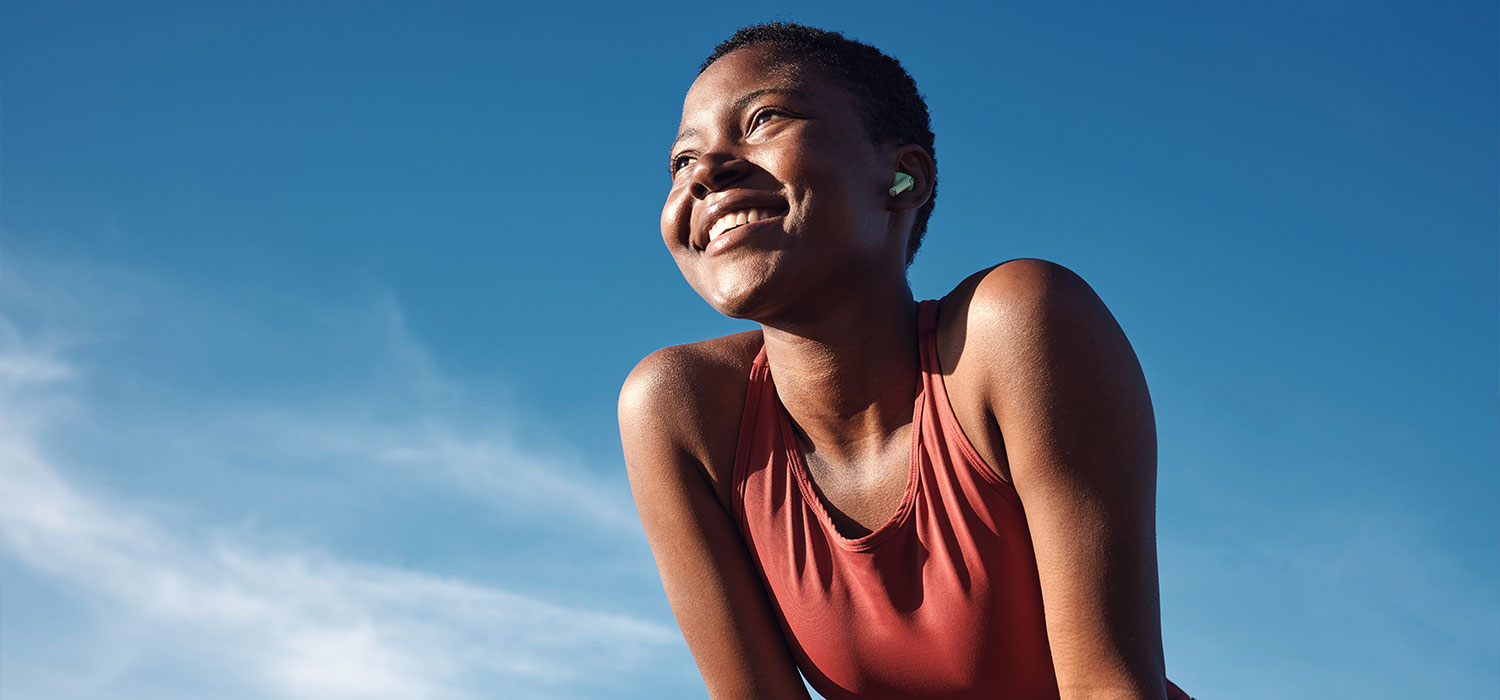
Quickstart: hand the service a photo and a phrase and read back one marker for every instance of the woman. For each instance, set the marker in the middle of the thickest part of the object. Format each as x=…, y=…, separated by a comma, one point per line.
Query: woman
x=861, y=515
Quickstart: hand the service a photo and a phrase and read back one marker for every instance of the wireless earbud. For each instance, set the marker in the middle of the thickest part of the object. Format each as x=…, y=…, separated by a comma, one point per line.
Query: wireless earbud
x=902, y=183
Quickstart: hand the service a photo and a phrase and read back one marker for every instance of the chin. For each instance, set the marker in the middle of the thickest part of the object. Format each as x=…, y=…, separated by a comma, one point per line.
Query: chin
x=735, y=303
x=743, y=297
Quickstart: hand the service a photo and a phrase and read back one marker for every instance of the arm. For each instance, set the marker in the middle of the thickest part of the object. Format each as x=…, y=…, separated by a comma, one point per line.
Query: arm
x=705, y=569
x=1069, y=397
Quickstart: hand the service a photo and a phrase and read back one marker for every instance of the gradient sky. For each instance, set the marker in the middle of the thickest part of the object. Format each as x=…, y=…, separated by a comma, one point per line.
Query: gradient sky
x=313, y=315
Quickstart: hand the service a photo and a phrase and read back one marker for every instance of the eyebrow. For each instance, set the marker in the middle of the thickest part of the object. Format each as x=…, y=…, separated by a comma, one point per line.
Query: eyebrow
x=741, y=103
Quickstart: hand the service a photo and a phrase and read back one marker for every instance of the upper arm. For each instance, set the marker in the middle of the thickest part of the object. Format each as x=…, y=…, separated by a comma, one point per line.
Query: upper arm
x=707, y=573
x=1070, y=399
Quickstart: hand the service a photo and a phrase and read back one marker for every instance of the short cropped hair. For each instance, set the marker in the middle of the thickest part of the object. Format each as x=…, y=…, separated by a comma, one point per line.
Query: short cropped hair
x=892, y=107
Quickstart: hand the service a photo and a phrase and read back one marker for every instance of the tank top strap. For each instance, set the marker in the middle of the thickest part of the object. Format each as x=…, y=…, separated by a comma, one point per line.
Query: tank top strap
x=927, y=316
x=927, y=313
x=756, y=390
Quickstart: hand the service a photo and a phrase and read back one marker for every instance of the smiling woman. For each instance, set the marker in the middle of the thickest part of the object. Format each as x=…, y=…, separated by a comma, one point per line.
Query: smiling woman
x=946, y=499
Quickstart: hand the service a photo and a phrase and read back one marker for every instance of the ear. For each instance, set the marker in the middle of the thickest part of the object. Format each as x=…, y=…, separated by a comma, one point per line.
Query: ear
x=916, y=162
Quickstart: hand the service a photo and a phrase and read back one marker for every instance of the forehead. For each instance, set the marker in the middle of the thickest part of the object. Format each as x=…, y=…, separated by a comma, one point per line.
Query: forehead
x=755, y=68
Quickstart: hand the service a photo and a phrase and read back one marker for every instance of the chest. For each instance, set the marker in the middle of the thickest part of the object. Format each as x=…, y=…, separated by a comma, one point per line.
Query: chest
x=937, y=595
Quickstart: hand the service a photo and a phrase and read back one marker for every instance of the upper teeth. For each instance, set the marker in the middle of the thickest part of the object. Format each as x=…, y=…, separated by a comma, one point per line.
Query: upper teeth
x=738, y=218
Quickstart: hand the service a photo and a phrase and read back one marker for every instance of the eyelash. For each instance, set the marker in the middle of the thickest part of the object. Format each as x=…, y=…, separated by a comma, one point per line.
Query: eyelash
x=677, y=164
x=767, y=112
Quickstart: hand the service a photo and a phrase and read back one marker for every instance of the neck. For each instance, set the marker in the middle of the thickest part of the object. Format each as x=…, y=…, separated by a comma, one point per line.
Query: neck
x=847, y=374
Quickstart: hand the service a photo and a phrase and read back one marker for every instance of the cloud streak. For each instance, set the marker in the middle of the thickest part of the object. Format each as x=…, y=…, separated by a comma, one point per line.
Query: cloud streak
x=294, y=621
x=306, y=625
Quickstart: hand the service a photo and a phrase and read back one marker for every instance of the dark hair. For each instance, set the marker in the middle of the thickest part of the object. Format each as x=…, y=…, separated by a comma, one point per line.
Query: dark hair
x=893, y=109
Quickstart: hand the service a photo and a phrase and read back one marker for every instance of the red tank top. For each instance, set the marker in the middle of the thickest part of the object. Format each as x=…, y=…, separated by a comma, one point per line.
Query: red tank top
x=942, y=601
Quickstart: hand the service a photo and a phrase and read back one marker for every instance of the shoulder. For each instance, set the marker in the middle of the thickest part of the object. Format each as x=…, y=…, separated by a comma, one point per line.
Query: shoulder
x=684, y=376
x=1026, y=344
x=1015, y=295
x=1015, y=314
x=684, y=403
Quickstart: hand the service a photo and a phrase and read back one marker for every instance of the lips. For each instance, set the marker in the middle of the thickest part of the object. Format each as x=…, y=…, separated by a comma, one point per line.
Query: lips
x=732, y=212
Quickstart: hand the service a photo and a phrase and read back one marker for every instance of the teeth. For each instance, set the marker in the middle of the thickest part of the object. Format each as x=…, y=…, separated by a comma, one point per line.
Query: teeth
x=738, y=218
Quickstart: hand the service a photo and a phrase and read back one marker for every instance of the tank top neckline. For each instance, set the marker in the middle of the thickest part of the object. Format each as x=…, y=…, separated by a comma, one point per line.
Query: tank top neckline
x=926, y=324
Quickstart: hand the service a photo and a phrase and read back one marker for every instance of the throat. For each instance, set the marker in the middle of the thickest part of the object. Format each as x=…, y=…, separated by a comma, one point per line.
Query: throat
x=862, y=495
x=848, y=388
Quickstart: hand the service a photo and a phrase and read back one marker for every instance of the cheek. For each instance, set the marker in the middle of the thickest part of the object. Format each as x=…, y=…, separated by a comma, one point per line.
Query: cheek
x=676, y=217
x=845, y=196
x=668, y=225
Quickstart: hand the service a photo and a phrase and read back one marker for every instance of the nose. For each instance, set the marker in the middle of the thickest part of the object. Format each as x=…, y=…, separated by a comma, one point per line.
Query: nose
x=716, y=171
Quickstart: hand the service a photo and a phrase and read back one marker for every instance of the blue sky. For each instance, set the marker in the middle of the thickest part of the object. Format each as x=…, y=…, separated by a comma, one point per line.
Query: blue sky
x=312, y=318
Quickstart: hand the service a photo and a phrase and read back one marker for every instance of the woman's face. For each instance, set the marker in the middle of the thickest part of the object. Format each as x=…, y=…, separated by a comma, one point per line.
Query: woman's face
x=778, y=194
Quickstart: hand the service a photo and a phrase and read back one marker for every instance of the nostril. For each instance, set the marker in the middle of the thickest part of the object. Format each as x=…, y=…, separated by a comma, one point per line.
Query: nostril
x=715, y=172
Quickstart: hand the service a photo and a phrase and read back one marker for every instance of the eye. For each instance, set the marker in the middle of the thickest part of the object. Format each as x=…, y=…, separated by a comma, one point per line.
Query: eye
x=680, y=162
x=764, y=116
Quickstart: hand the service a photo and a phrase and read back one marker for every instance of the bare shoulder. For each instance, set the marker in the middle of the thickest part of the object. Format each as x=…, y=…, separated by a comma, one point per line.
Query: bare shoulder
x=683, y=402
x=1014, y=295
x=1015, y=314
x=678, y=378
x=1022, y=340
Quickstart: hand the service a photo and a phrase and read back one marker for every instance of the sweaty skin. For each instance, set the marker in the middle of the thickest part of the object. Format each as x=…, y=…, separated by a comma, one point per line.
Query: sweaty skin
x=1028, y=352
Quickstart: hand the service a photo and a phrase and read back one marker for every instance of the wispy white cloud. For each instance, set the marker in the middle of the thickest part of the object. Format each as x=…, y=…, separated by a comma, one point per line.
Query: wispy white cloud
x=489, y=467
x=294, y=620
x=304, y=624
x=343, y=385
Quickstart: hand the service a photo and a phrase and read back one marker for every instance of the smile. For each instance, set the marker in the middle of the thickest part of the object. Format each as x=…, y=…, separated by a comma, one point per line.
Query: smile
x=735, y=219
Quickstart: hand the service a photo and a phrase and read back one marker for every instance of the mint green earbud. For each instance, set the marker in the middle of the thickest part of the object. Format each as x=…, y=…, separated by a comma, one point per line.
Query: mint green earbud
x=902, y=183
